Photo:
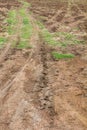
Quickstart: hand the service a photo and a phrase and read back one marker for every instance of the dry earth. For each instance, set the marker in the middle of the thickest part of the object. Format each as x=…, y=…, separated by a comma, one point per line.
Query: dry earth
x=36, y=91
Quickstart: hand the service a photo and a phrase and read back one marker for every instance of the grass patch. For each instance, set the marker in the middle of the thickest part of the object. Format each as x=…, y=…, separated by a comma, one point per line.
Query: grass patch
x=12, y=14
x=68, y=38
x=25, y=4
x=65, y=38
x=25, y=21
x=40, y=25
x=50, y=38
x=12, y=21
x=24, y=31
x=25, y=35
x=10, y=30
x=22, y=12
x=46, y=35
x=79, y=41
x=57, y=55
x=24, y=44
x=2, y=41
x=27, y=29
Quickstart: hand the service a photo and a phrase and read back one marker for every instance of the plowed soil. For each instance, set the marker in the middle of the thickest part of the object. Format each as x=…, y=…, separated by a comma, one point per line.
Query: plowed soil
x=38, y=92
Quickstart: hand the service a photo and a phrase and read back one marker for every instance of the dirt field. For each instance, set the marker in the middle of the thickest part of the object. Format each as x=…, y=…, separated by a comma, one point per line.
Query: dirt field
x=37, y=91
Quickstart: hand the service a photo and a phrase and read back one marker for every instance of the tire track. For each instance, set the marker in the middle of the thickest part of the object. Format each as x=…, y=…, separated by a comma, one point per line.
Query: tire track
x=44, y=91
x=14, y=77
x=6, y=97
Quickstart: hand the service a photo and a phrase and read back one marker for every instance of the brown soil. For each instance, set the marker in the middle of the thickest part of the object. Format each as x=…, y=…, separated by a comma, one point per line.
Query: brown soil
x=38, y=92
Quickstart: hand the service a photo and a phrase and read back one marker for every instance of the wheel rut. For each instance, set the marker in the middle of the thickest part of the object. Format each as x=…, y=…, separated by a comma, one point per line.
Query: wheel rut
x=45, y=93
x=21, y=89
x=43, y=79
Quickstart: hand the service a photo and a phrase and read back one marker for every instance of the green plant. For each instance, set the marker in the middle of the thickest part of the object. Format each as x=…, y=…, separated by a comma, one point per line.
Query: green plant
x=25, y=4
x=12, y=14
x=46, y=35
x=57, y=55
x=50, y=38
x=2, y=41
x=25, y=21
x=24, y=31
x=79, y=41
x=12, y=21
x=24, y=44
x=12, y=17
x=22, y=12
x=67, y=38
x=40, y=24
x=66, y=35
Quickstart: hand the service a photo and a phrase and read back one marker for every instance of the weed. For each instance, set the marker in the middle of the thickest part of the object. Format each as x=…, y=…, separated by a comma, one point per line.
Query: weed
x=24, y=44
x=12, y=14
x=79, y=41
x=24, y=31
x=2, y=41
x=50, y=38
x=25, y=4
x=27, y=34
x=10, y=30
x=40, y=24
x=25, y=21
x=46, y=35
x=22, y=12
x=12, y=21
x=57, y=55
x=12, y=17
x=68, y=38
